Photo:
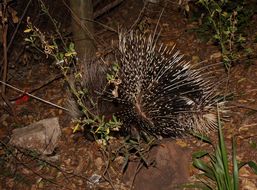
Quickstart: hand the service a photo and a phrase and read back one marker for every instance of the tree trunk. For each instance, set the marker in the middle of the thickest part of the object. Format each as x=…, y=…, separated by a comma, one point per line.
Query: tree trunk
x=83, y=28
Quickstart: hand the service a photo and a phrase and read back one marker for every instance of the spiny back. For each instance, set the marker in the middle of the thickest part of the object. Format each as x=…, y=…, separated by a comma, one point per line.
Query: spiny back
x=160, y=92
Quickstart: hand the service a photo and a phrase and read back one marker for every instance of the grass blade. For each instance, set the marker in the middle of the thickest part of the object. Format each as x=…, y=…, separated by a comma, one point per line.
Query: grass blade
x=224, y=157
x=235, y=166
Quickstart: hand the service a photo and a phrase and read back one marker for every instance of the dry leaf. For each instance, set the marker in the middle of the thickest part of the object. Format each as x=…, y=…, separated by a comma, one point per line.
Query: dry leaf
x=181, y=143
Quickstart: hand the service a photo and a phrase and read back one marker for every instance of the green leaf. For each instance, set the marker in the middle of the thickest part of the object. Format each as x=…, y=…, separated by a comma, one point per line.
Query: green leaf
x=201, y=165
x=27, y=40
x=109, y=77
x=199, y=154
x=72, y=46
x=223, y=152
x=76, y=128
x=216, y=36
x=89, y=121
x=70, y=53
x=116, y=67
x=194, y=186
x=253, y=166
x=235, y=166
x=27, y=30
x=202, y=137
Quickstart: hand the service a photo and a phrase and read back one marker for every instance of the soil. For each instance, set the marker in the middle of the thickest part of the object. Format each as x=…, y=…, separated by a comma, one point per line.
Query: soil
x=77, y=160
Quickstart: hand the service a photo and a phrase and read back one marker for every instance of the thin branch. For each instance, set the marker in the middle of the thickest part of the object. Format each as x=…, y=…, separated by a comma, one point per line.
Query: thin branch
x=18, y=25
x=77, y=20
x=64, y=173
x=45, y=9
x=155, y=30
x=107, y=8
x=26, y=166
x=244, y=106
x=107, y=167
x=40, y=87
x=138, y=168
x=40, y=99
x=4, y=37
x=101, y=24
x=138, y=18
x=9, y=105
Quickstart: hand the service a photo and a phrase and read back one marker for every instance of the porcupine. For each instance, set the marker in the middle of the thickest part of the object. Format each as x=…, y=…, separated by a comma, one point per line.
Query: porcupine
x=162, y=93
x=158, y=91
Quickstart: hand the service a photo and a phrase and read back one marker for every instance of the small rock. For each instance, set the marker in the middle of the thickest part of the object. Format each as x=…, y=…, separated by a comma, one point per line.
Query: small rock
x=99, y=163
x=120, y=160
x=93, y=180
x=41, y=136
x=80, y=182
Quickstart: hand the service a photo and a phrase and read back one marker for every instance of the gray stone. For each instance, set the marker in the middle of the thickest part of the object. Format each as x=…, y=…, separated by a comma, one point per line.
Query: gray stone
x=41, y=136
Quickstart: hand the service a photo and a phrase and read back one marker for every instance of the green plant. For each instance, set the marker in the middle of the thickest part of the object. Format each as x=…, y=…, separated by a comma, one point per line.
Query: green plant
x=64, y=55
x=224, y=26
x=226, y=20
x=136, y=149
x=216, y=173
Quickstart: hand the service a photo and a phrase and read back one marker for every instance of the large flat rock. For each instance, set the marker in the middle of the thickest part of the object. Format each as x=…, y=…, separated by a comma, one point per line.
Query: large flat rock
x=170, y=171
x=41, y=136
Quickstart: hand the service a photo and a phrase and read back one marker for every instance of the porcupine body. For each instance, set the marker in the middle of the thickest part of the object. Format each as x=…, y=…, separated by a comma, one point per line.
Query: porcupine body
x=160, y=92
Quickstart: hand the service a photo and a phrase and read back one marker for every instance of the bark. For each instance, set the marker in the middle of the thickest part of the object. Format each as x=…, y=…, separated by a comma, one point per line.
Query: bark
x=82, y=27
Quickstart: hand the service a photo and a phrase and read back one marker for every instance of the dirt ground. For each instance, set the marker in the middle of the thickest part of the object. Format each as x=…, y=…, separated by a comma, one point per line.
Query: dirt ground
x=77, y=159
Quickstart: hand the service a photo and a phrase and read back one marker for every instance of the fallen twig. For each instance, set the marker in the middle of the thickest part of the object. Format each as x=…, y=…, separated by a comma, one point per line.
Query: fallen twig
x=39, y=87
x=30, y=95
